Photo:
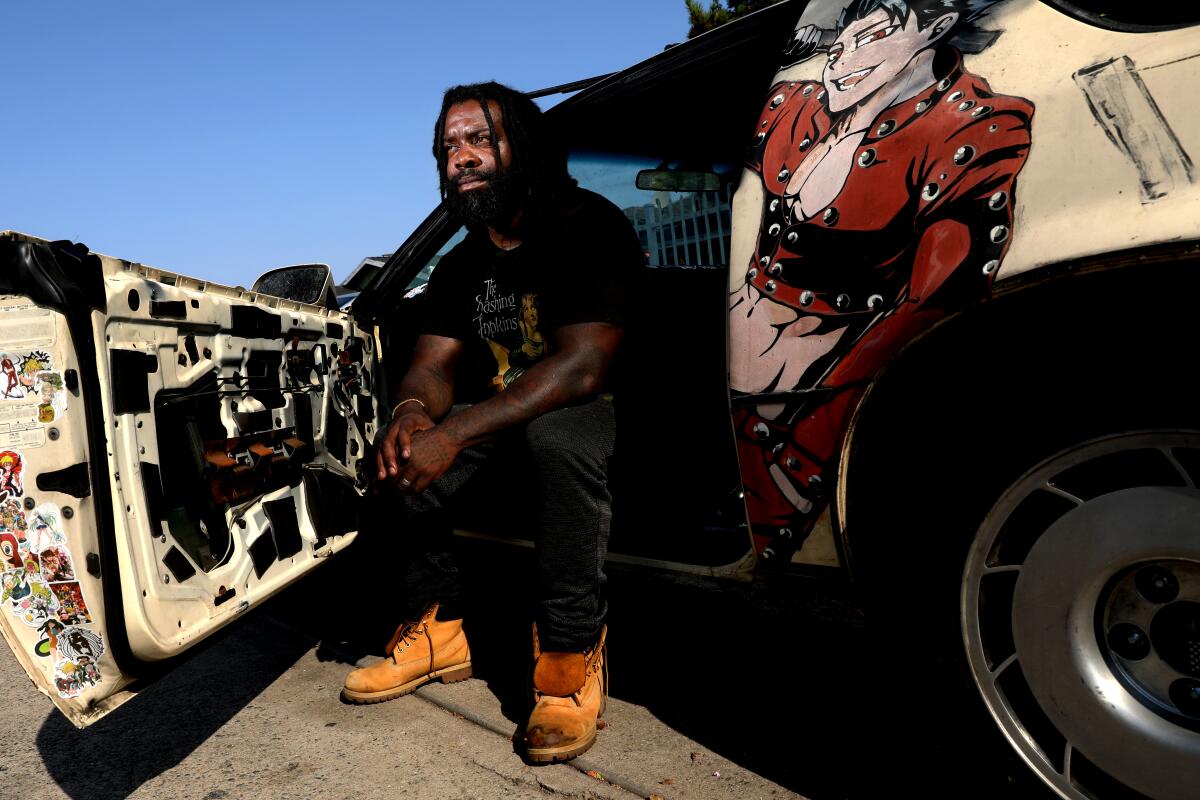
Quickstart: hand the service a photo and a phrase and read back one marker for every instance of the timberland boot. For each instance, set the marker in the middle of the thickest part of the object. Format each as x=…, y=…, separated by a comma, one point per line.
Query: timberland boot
x=418, y=653
x=569, y=693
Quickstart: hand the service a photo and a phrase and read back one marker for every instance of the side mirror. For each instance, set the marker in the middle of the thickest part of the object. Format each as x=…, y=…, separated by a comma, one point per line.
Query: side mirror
x=675, y=180
x=304, y=283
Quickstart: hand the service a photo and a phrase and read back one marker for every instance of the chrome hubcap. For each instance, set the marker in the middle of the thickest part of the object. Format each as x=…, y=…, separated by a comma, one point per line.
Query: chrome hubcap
x=1151, y=627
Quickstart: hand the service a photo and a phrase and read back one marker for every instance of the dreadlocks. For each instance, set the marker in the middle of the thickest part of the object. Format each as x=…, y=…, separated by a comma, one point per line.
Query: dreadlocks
x=538, y=173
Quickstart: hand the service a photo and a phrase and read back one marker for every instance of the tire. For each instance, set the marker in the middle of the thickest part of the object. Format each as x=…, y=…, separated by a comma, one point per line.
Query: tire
x=997, y=627
x=1080, y=617
x=951, y=444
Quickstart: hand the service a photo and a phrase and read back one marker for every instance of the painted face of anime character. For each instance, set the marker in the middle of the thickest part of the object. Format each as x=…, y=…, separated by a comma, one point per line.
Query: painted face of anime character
x=872, y=51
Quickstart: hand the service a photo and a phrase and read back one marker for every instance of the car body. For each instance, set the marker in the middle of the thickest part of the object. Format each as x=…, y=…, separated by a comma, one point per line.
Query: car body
x=1011, y=464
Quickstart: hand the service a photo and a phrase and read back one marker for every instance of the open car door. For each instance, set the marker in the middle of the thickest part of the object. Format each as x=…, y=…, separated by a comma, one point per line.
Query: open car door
x=172, y=452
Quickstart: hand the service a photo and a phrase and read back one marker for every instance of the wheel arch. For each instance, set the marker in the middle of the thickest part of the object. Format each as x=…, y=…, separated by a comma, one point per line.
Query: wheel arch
x=1042, y=361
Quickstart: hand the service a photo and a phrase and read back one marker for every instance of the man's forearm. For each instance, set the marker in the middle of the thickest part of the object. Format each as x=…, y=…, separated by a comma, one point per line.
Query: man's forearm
x=554, y=382
x=427, y=386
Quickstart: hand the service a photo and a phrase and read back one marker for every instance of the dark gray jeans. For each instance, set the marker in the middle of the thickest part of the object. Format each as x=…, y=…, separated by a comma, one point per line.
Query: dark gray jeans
x=563, y=458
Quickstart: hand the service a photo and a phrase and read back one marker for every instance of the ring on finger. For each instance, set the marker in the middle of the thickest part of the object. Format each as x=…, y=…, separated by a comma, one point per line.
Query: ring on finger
x=405, y=482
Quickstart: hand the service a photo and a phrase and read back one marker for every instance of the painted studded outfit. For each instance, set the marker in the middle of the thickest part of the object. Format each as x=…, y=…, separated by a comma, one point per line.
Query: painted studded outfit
x=918, y=229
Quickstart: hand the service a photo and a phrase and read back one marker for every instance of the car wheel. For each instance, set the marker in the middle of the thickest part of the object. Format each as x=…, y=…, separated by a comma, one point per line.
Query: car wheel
x=1080, y=616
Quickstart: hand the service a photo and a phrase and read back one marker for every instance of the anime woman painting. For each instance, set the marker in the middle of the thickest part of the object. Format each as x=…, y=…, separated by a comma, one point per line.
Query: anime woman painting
x=886, y=201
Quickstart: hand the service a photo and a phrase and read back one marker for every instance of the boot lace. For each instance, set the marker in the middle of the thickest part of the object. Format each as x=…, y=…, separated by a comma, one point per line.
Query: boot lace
x=407, y=636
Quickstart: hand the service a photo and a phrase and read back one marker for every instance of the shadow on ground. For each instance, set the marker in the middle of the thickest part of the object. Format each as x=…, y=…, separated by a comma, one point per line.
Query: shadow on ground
x=169, y=719
x=780, y=678
x=779, y=681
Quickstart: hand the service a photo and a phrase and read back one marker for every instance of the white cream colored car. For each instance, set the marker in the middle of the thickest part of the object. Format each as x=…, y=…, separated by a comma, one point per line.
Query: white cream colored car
x=919, y=313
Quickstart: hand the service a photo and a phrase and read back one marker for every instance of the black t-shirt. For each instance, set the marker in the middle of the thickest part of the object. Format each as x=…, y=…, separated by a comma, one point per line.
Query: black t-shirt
x=506, y=304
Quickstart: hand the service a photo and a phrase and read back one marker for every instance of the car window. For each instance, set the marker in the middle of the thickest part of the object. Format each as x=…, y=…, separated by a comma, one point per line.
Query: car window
x=417, y=284
x=1123, y=15
x=676, y=229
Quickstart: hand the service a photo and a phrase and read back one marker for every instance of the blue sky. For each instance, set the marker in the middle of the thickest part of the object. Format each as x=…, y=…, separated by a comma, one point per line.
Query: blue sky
x=220, y=139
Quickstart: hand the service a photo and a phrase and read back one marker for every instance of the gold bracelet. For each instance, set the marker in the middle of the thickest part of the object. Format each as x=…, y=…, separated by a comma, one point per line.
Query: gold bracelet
x=396, y=407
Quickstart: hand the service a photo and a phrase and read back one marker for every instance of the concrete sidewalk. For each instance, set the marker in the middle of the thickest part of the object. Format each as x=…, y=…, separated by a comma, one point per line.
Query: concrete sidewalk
x=716, y=694
x=257, y=715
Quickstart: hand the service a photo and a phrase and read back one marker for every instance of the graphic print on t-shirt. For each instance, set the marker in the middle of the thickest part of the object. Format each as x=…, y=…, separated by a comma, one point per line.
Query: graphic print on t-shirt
x=510, y=330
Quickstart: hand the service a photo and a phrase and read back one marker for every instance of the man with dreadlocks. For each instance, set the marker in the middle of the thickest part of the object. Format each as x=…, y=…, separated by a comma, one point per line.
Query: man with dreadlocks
x=527, y=310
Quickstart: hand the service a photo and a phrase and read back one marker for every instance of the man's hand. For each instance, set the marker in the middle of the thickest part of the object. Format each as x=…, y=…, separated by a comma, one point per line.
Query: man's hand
x=430, y=382
x=396, y=446
x=431, y=453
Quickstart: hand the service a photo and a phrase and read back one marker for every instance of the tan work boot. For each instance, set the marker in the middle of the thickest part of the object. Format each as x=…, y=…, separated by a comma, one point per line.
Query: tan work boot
x=418, y=653
x=569, y=693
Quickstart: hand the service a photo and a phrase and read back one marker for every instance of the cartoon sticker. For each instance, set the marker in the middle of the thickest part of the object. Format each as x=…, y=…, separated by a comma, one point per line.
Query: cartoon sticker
x=50, y=629
x=32, y=395
x=32, y=365
x=10, y=379
x=12, y=518
x=39, y=586
x=76, y=651
x=42, y=530
x=14, y=585
x=38, y=606
x=55, y=563
x=10, y=551
x=71, y=608
x=52, y=398
x=70, y=678
x=75, y=643
x=11, y=464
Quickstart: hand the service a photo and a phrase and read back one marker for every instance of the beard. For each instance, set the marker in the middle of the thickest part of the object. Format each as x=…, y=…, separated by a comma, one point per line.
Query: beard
x=498, y=199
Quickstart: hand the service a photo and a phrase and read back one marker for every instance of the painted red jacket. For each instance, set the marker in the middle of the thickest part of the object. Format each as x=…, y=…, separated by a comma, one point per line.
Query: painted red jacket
x=918, y=229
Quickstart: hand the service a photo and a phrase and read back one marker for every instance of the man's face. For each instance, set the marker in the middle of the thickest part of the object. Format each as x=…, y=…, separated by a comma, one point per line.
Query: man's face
x=869, y=53
x=478, y=191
